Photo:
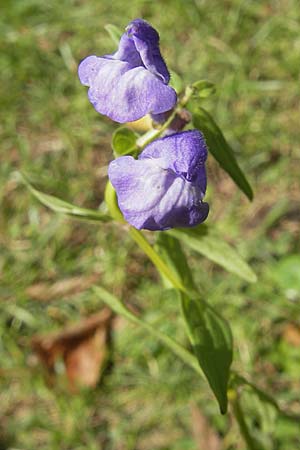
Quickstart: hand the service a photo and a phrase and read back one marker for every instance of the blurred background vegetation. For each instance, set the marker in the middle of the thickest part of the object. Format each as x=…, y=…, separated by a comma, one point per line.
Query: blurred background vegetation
x=146, y=399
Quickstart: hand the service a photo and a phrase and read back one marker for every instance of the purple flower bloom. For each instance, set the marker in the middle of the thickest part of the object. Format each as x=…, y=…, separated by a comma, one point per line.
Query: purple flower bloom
x=164, y=188
x=133, y=81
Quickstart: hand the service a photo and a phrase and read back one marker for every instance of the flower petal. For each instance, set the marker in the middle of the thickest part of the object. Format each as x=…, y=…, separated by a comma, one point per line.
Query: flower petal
x=88, y=69
x=127, y=52
x=125, y=93
x=181, y=206
x=132, y=82
x=140, y=186
x=152, y=196
x=184, y=152
x=146, y=40
x=183, y=217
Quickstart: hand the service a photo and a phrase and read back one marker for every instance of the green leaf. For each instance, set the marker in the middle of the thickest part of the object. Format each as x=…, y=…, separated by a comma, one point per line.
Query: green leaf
x=203, y=88
x=220, y=149
x=60, y=206
x=176, y=82
x=209, y=333
x=124, y=141
x=208, y=242
x=118, y=307
x=171, y=252
x=211, y=339
x=114, y=32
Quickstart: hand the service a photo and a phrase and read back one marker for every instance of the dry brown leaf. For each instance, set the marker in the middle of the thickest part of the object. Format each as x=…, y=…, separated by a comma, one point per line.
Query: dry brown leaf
x=84, y=361
x=291, y=334
x=81, y=346
x=205, y=436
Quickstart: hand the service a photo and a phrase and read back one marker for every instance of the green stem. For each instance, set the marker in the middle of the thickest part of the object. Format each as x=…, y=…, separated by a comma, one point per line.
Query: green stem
x=159, y=263
x=264, y=396
x=155, y=258
x=151, y=135
x=187, y=95
x=240, y=418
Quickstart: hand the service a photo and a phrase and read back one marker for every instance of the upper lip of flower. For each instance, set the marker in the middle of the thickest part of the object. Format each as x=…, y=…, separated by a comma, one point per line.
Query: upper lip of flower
x=131, y=82
x=130, y=30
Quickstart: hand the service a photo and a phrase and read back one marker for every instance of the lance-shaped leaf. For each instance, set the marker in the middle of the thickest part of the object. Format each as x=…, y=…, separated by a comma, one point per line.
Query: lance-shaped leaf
x=220, y=149
x=208, y=242
x=60, y=206
x=208, y=332
x=211, y=339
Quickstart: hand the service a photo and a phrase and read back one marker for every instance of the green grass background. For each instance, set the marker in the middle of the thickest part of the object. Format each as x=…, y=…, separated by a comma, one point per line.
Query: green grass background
x=251, y=50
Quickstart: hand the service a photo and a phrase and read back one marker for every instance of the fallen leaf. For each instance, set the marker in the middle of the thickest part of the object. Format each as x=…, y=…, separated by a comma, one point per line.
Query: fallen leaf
x=81, y=346
x=84, y=361
x=291, y=334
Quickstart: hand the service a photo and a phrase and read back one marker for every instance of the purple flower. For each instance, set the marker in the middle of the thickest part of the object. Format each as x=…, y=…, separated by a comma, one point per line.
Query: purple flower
x=164, y=188
x=133, y=81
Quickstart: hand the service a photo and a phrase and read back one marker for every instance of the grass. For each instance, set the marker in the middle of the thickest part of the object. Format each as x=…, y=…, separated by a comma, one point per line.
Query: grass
x=48, y=128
